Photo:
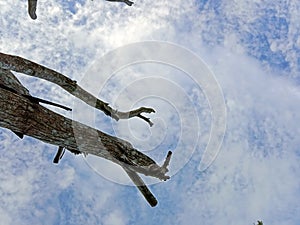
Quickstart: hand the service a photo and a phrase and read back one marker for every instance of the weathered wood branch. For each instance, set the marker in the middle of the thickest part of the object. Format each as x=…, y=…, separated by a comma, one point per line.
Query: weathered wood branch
x=21, y=115
x=21, y=65
x=26, y=117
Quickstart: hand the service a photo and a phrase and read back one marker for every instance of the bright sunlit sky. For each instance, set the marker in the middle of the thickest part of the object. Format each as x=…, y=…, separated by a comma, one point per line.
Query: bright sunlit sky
x=253, y=50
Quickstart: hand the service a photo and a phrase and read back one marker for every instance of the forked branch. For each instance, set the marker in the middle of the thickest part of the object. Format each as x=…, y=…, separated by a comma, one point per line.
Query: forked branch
x=25, y=117
x=21, y=113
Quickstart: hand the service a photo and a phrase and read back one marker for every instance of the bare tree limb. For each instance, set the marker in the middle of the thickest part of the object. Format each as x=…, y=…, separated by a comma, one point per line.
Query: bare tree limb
x=26, y=117
x=21, y=65
x=21, y=115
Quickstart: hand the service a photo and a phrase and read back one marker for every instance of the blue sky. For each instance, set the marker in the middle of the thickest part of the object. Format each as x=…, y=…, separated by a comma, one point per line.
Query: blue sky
x=252, y=47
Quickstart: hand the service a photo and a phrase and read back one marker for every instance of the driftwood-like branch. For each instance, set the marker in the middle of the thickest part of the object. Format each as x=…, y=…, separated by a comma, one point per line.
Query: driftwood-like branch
x=24, y=116
x=21, y=65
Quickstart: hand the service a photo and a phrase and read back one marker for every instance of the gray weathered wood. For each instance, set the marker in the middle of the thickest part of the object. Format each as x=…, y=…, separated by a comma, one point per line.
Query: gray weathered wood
x=26, y=117
x=21, y=65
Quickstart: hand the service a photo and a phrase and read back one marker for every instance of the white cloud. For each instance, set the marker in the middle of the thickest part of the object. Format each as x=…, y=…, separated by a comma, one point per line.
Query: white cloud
x=114, y=218
x=255, y=175
x=5, y=216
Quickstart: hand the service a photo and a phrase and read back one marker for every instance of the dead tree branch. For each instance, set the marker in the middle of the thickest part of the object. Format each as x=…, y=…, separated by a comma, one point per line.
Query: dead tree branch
x=21, y=65
x=24, y=116
x=21, y=115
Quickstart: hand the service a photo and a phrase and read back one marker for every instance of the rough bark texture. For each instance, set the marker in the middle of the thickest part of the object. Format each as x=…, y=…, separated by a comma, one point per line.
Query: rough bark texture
x=25, y=116
x=21, y=115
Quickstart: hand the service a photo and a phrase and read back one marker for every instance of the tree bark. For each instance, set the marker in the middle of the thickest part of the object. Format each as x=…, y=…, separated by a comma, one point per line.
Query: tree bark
x=20, y=115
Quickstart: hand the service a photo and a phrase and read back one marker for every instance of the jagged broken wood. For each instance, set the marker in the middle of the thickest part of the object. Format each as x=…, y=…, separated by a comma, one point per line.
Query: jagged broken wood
x=26, y=117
